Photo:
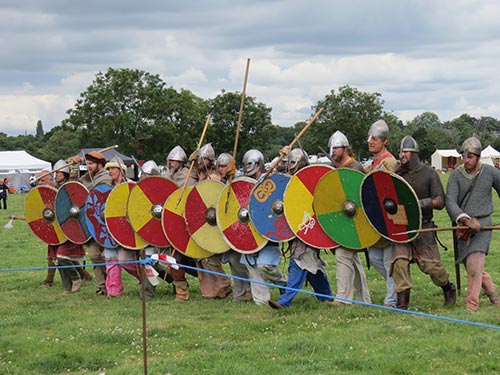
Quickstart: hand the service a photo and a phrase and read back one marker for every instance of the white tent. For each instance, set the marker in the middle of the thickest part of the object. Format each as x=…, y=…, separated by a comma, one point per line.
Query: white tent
x=490, y=156
x=445, y=159
x=17, y=166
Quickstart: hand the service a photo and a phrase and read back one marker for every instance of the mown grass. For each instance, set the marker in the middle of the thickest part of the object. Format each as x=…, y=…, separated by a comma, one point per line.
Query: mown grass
x=46, y=332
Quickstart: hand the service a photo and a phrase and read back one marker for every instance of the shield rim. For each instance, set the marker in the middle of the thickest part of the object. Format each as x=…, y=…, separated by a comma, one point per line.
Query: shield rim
x=404, y=182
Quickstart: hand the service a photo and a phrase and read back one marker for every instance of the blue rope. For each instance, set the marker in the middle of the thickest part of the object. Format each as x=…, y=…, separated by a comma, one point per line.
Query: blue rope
x=151, y=261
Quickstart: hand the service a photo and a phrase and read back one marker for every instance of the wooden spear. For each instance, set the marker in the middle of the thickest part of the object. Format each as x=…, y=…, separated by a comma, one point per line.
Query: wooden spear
x=193, y=161
x=437, y=229
x=240, y=114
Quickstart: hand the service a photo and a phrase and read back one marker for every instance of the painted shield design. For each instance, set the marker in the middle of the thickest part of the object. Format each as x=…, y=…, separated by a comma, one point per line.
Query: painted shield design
x=41, y=216
x=337, y=205
x=201, y=217
x=145, y=208
x=266, y=208
x=117, y=222
x=94, y=213
x=391, y=205
x=70, y=211
x=174, y=225
x=233, y=218
x=298, y=204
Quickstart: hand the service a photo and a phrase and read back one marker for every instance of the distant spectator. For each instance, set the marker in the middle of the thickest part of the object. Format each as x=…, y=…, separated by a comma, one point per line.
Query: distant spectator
x=4, y=191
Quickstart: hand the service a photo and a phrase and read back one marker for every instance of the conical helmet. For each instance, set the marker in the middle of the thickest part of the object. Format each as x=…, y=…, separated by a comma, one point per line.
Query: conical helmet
x=206, y=152
x=151, y=168
x=338, y=139
x=60, y=163
x=408, y=143
x=177, y=154
x=225, y=159
x=472, y=145
x=378, y=129
x=251, y=158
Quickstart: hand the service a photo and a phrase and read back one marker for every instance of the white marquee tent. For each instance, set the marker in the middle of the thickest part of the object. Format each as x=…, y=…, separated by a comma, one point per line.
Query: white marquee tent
x=18, y=166
x=445, y=159
x=490, y=156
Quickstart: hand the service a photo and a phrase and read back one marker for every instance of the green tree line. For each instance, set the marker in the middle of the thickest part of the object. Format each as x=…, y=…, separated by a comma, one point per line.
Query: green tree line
x=147, y=118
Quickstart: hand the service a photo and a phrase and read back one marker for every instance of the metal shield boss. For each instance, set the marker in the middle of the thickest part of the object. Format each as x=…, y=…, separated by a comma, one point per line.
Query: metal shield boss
x=115, y=214
x=266, y=208
x=391, y=205
x=298, y=204
x=145, y=208
x=41, y=216
x=94, y=214
x=70, y=211
x=174, y=225
x=201, y=217
x=337, y=205
x=233, y=218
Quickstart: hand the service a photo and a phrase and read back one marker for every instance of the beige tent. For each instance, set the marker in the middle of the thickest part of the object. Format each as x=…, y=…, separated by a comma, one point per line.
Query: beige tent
x=443, y=160
x=490, y=156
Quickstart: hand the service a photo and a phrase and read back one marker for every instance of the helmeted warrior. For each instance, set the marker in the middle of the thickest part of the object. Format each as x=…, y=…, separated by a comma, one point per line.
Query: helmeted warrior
x=423, y=250
x=469, y=202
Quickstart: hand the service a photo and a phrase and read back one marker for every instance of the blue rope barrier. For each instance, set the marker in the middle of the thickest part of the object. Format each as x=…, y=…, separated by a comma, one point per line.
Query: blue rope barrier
x=149, y=261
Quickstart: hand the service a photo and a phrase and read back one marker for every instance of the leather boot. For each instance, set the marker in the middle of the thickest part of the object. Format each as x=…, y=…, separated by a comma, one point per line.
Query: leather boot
x=450, y=294
x=181, y=291
x=47, y=283
x=403, y=299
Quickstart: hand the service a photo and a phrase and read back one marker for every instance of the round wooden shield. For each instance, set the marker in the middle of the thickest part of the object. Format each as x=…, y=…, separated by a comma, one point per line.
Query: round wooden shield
x=337, y=205
x=298, y=205
x=41, y=216
x=391, y=206
x=94, y=214
x=145, y=208
x=70, y=211
x=266, y=208
x=201, y=217
x=233, y=218
x=115, y=214
x=175, y=227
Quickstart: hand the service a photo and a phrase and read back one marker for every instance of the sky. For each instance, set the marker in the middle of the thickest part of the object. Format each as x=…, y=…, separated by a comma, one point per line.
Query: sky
x=438, y=56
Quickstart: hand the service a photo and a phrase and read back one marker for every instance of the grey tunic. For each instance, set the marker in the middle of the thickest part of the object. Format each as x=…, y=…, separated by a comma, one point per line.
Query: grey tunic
x=478, y=204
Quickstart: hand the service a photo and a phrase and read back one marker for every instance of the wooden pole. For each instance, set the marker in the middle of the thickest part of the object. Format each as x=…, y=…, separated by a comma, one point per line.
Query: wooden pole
x=290, y=146
x=437, y=229
x=240, y=114
x=209, y=117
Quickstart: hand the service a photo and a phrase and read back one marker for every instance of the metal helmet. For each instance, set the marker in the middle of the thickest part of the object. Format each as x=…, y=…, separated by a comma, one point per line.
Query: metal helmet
x=408, y=143
x=225, y=159
x=177, y=154
x=297, y=158
x=60, y=163
x=151, y=168
x=206, y=152
x=378, y=129
x=252, y=157
x=472, y=145
x=338, y=139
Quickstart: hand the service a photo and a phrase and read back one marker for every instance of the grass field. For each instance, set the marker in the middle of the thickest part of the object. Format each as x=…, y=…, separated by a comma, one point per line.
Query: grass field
x=46, y=332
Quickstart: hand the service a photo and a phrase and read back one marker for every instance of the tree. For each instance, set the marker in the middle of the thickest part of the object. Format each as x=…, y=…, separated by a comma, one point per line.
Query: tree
x=256, y=129
x=426, y=120
x=136, y=110
x=350, y=111
x=39, y=129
